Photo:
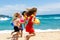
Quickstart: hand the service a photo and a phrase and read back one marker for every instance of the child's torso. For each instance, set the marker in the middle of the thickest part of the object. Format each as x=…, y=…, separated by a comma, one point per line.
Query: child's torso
x=16, y=22
x=30, y=23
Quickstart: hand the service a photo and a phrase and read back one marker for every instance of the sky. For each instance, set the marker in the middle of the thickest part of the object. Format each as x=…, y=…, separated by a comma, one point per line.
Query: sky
x=45, y=7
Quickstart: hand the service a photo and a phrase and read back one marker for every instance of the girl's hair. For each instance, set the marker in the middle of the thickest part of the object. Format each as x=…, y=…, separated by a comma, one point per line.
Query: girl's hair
x=15, y=16
x=31, y=11
x=23, y=13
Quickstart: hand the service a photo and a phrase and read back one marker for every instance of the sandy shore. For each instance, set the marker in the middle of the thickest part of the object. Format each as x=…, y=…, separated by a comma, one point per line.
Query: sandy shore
x=39, y=36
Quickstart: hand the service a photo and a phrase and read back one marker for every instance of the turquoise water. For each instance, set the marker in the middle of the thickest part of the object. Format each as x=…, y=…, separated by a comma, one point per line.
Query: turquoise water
x=47, y=22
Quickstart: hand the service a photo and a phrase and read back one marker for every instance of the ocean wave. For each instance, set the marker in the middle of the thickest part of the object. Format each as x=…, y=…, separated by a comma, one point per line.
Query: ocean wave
x=4, y=19
x=6, y=31
x=1, y=19
x=36, y=30
x=48, y=17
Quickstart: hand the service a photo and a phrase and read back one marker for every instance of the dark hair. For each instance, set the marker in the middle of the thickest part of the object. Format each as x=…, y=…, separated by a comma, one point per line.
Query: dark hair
x=31, y=11
x=23, y=12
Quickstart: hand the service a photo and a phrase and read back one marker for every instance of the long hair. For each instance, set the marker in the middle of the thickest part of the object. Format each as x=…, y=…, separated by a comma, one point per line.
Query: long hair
x=31, y=11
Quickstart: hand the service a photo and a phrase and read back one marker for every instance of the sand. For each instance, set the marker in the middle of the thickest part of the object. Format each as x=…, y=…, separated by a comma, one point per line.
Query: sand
x=55, y=35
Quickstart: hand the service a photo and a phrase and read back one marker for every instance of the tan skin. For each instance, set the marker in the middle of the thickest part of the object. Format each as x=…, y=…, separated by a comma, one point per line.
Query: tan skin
x=21, y=31
x=15, y=36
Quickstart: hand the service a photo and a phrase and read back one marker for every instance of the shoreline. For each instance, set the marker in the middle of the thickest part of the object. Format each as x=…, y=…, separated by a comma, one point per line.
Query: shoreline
x=36, y=30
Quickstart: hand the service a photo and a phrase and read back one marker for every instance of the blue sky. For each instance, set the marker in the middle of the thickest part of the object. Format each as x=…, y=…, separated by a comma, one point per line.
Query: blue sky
x=9, y=7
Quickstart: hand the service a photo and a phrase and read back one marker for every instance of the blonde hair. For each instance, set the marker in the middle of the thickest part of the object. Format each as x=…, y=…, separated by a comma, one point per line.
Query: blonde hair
x=15, y=16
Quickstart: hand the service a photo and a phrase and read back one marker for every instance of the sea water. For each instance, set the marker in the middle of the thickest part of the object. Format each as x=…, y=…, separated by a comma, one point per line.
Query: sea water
x=46, y=23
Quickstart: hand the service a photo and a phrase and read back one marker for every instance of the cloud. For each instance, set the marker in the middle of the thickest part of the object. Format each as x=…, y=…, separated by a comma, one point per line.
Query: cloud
x=10, y=9
x=53, y=7
x=45, y=9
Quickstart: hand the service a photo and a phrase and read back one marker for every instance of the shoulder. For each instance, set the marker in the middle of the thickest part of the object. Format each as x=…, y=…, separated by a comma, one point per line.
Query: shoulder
x=17, y=19
x=32, y=16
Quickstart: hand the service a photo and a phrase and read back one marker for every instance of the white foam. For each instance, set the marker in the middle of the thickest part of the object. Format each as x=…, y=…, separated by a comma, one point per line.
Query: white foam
x=48, y=30
x=36, y=30
x=6, y=31
x=4, y=18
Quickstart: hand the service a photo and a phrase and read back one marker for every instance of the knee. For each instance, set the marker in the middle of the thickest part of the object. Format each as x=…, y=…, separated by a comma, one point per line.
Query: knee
x=34, y=34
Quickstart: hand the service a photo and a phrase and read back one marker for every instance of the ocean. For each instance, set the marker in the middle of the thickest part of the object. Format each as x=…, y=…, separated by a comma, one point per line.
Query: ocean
x=46, y=23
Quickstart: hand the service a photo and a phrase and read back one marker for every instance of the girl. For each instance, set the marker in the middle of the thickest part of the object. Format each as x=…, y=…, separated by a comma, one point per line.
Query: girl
x=21, y=28
x=29, y=27
x=16, y=24
x=25, y=17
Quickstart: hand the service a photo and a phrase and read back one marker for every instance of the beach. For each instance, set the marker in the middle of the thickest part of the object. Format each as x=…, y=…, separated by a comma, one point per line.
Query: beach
x=51, y=35
x=49, y=29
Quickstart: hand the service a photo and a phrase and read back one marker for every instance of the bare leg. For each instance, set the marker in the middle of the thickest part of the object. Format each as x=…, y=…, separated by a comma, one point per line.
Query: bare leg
x=12, y=32
x=21, y=33
x=30, y=35
x=15, y=36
